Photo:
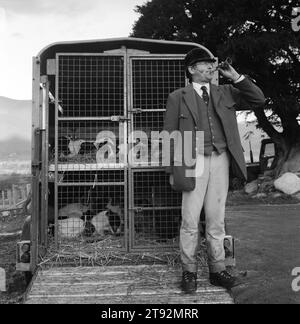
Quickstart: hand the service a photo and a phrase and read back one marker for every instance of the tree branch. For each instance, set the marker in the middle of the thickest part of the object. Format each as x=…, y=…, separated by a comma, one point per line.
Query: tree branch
x=264, y=123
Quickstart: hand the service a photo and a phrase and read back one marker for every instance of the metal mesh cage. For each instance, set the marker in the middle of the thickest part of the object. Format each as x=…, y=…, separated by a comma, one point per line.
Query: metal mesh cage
x=90, y=85
x=88, y=142
x=90, y=212
x=156, y=209
x=93, y=91
x=154, y=79
x=104, y=177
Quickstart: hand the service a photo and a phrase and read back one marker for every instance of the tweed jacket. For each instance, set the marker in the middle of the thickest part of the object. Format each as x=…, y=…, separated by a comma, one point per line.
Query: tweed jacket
x=182, y=115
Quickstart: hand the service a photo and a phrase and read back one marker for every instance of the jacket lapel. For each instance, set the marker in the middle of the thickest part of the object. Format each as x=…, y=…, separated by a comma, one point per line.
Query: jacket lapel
x=190, y=100
x=216, y=95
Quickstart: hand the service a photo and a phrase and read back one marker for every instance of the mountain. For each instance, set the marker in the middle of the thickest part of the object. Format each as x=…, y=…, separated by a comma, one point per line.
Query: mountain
x=15, y=119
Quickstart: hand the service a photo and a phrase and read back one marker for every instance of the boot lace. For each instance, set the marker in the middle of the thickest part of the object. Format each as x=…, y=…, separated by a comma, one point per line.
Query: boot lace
x=189, y=276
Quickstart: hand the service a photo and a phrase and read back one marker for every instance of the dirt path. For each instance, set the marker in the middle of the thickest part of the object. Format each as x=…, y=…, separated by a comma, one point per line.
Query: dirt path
x=267, y=249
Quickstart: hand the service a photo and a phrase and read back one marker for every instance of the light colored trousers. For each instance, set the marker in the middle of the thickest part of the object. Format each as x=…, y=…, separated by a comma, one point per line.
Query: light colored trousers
x=211, y=192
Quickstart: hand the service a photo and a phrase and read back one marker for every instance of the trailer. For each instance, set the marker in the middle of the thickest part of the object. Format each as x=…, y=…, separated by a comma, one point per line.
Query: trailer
x=99, y=191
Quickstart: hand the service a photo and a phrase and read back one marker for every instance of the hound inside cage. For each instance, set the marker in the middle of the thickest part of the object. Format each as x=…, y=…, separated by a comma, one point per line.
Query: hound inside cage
x=88, y=142
x=90, y=206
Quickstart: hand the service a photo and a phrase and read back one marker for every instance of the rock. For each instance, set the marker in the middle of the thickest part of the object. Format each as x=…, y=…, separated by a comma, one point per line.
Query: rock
x=251, y=187
x=277, y=195
x=288, y=183
x=260, y=195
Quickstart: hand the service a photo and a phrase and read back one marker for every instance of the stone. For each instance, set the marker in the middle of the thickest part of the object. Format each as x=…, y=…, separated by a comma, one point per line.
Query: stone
x=277, y=195
x=251, y=187
x=2, y=280
x=288, y=183
x=260, y=195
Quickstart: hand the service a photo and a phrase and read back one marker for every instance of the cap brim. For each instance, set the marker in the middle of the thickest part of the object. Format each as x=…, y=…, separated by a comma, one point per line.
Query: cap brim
x=205, y=59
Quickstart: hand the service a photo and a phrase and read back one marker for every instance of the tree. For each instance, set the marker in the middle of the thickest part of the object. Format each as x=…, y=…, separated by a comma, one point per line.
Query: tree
x=262, y=40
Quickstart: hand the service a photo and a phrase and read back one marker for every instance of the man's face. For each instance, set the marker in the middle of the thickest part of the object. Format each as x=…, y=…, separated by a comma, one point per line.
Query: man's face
x=202, y=71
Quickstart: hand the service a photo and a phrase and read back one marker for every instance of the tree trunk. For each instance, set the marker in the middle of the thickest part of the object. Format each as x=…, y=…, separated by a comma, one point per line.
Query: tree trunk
x=287, y=142
x=292, y=162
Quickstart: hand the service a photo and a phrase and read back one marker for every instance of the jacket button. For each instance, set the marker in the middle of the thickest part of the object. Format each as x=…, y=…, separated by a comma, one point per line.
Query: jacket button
x=196, y=127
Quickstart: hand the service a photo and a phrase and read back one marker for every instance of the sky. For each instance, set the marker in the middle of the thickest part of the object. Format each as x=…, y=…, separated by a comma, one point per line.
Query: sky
x=27, y=26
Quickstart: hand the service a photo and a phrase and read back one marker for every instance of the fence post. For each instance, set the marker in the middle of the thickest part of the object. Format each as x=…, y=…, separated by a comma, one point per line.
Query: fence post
x=14, y=195
x=9, y=197
x=23, y=193
x=28, y=187
x=3, y=200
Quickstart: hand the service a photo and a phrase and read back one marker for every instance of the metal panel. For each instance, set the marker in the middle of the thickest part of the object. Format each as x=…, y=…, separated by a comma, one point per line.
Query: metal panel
x=34, y=158
x=91, y=85
x=92, y=93
x=154, y=208
x=44, y=165
x=51, y=66
x=153, y=78
x=86, y=152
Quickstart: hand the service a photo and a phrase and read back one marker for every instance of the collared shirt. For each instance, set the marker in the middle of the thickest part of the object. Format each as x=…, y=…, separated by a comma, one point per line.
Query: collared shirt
x=197, y=87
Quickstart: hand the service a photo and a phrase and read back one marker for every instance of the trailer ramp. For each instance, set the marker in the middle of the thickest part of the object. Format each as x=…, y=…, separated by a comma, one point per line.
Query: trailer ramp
x=134, y=284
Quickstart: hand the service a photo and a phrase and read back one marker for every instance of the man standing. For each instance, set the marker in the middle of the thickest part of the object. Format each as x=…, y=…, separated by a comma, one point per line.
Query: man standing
x=203, y=106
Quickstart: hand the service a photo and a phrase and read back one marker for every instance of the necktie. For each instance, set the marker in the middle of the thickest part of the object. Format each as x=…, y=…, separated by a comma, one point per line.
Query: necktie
x=205, y=95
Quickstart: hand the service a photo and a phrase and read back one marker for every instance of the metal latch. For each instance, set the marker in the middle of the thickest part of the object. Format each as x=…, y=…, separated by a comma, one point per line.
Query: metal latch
x=119, y=118
x=136, y=111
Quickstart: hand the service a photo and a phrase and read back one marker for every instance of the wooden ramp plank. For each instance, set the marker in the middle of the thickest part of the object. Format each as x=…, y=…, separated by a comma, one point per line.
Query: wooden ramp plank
x=207, y=298
x=152, y=284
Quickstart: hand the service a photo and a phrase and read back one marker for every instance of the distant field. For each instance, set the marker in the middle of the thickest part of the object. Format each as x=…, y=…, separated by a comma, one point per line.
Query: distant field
x=19, y=167
x=7, y=180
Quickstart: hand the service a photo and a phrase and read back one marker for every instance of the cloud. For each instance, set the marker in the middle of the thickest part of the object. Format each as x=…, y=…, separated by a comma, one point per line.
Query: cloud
x=27, y=26
x=59, y=7
x=3, y=22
